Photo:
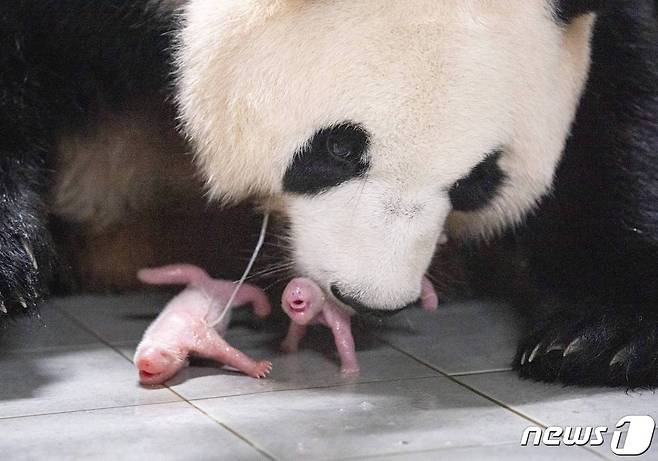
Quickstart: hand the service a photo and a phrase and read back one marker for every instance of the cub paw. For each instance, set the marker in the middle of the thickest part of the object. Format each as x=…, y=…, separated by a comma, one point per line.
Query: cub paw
x=350, y=370
x=261, y=370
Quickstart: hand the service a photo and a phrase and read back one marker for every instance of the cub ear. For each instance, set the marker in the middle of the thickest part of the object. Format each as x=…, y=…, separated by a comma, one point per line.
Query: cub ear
x=566, y=10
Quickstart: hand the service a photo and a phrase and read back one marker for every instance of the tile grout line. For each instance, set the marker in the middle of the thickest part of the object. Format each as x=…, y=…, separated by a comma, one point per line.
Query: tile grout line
x=91, y=331
x=183, y=399
x=483, y=395
x=315, y=387
x=226, y=427
x=454, y=379
x=84, y=410
x=437, y=451
x=483, y=372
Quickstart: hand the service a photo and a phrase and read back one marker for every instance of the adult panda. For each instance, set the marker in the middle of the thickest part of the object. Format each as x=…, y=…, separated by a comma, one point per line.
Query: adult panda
x=376, y=127
x=383, y=125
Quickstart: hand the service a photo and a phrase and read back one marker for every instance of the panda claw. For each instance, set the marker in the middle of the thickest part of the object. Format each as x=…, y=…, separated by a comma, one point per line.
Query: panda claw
x=586, y=349
x=620, y=357
x=534, y=353
x=524, y=358
x=556, y=347
x=30, y=254
x=22, y=302
x=574, y=346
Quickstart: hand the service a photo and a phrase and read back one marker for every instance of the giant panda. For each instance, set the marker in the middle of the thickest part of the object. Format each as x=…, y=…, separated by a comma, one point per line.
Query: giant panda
x=377, y=128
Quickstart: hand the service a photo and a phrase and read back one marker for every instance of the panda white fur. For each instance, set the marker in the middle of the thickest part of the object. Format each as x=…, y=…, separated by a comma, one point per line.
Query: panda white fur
x=376, y=127
x=425, y=91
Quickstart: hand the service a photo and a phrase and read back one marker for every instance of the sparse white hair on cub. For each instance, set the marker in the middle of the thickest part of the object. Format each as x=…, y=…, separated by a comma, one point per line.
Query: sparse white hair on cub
x=436, y=84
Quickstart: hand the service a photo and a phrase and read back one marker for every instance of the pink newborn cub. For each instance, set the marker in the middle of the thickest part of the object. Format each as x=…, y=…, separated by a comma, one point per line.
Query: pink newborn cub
x=306, y=304
x=185, y=327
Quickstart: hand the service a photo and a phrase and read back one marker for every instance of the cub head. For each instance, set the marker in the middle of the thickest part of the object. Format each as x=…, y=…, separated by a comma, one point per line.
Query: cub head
x=382, y=125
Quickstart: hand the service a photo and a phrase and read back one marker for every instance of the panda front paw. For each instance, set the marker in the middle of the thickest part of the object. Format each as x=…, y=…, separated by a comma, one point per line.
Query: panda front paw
x=25, y=265
x=611, y=349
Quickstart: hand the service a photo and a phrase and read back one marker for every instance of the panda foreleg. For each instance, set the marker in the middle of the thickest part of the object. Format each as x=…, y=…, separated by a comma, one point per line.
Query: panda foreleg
x=26, y=250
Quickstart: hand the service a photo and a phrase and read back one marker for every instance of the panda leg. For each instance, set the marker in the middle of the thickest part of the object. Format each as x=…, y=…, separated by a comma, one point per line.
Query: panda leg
x=26, y=257
x=608, y=347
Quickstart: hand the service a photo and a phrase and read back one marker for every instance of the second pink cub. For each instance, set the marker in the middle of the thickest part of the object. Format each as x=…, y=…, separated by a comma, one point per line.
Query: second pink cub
x=305, y=303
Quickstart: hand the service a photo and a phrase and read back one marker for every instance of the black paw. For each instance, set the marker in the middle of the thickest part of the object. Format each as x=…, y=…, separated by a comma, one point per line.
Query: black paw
x=26, y=263
x=612, y=349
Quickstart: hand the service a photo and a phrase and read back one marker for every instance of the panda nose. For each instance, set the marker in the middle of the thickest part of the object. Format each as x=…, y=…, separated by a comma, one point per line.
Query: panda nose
x=362, y=309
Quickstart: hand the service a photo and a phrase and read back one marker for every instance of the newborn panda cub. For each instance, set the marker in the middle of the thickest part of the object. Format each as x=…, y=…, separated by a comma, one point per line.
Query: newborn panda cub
x=186, y=325
x=305, y=303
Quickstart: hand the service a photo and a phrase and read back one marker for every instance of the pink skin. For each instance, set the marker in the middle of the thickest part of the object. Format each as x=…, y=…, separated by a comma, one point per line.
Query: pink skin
x=429, y=300
x=184, y=326
x=305, y=303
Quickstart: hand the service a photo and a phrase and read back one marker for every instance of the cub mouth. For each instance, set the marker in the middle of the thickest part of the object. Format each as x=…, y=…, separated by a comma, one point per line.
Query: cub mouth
x=298, y=306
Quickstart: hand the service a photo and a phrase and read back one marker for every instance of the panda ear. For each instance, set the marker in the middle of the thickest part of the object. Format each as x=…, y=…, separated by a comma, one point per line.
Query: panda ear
x=566, y=10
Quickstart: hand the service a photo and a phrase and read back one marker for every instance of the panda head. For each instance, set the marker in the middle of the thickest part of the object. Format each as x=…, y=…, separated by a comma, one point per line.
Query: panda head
x=382, y=125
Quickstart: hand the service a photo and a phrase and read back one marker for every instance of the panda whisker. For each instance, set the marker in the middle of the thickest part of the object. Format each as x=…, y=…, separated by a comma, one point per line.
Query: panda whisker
x=279, y=246
x=272, y=270
x=276, y=282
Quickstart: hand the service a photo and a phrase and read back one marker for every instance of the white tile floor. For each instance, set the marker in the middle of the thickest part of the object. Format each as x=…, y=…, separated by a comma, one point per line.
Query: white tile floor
x=433, y=386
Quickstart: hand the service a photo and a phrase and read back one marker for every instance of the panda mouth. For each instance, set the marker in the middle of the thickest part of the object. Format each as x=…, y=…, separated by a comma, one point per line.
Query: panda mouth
x=364, y=310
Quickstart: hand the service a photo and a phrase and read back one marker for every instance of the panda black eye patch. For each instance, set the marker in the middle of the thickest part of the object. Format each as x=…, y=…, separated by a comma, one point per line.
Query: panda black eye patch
x=567, y=10
x=478, y=188
x=333, y=155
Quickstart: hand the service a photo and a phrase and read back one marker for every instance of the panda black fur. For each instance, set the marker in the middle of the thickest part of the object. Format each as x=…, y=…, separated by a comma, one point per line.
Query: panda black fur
x=593, y=246
x=63, y=64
